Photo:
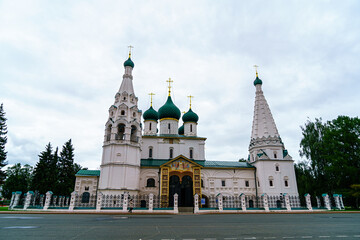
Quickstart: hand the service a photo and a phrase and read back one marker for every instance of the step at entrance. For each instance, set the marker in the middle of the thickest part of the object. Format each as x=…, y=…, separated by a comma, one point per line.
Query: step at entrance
x=186, y=209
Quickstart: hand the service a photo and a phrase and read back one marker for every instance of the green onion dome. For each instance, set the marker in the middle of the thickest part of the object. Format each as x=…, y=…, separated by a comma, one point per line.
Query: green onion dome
x=129, y=63
x=190, y=116
x=257, y=81
x=151, y=114
x=169, y=110
x=181, y=130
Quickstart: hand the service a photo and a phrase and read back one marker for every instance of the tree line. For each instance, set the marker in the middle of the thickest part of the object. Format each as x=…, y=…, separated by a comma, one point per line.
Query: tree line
x=53, y=172
x=332, y=152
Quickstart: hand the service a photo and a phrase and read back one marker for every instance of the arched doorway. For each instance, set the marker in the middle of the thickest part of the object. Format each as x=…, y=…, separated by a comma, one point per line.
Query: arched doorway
x=184, y=189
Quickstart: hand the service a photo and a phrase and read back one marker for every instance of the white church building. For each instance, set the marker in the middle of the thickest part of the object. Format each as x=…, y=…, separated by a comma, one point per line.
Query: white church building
x=164, y=155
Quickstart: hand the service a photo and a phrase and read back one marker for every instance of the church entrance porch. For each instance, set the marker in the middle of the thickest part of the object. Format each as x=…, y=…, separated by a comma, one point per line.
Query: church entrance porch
x=184, y=188
x=180, y=176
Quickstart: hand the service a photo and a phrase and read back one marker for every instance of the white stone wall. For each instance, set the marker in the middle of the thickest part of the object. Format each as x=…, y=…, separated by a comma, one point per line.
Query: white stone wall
x=190, y=129
x=266, y=171
x=164, y=126
x=150, y=130
x=161, y=148
x=145, y=174
x=86, y=182
x=234, y=181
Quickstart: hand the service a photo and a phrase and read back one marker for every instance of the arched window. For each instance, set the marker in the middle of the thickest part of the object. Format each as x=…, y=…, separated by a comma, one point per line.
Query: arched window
x=120, y=132
x=169, y=127
x=202, y=183
x=150, y=152
x=275, y=154
x=246, y=183
x=85, y=197
x=286, y=181
x=171, y=153
x=277, y=168
x=191, y=153
x=150, y=182
x=108, y=132
x=133, y=136
x=271, y=181
x=122, y=112
x=150, y=126
x=190, y=127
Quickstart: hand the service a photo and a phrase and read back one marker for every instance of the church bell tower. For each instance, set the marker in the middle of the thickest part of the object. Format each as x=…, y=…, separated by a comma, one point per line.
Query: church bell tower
x=120, y=164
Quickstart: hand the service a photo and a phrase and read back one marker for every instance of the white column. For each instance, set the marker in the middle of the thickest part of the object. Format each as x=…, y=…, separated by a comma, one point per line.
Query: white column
x=99, y=201
x=28, y=199
x=326, y=201
x=196, y=203
x=265, y=202
x=176, y=209
x=48, y=199
x=287, y=202
x=151, y=202
x=125, y=203
x=72, y=201
x=308, y=201
x=16, y=199
x=220, y=202
x=341, y=202
x=337, y=201
x=12, y=200
x=243, y=202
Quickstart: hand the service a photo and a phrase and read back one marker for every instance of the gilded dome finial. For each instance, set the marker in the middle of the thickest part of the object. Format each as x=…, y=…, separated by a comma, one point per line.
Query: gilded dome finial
x=169, y=81
x=130, y=47
x=151, y=97
x=256, y=67
x=190, y=97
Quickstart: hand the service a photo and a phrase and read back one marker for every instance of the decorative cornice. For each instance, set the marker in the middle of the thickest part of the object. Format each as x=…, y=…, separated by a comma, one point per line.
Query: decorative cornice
x=265, y=141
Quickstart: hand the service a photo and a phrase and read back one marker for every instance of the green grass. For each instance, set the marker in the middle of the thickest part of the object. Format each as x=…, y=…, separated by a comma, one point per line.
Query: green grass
x=4, y=208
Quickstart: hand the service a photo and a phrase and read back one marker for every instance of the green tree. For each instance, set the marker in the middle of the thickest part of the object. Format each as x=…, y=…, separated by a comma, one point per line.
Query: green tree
x=333, y=152
x=3, y=141
x=355, y=192
x=18, y=179
x=66, y=170
x=45, y=172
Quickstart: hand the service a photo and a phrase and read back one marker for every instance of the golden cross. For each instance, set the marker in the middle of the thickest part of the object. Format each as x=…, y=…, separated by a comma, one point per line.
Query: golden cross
x=256, y=67
x=169, y=81
x=190, y=97
x=183, y=112
x=151, y=96
x=130, y=47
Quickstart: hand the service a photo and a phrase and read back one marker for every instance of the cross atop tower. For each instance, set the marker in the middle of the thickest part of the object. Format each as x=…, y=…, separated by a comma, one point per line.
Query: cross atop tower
x=256, y=67
x=169, y=81
x=130, y=47
x=190, y=97
x=151, y=97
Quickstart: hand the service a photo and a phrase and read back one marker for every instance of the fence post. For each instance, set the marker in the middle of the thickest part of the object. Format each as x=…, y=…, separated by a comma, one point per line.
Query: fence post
x=220, y=202
x=176, y=209
x=12, y=200
x=341, y=202
x=196, y=203
x=48, y=200
x=337, y=201
x=72, y=201
x=151, y=202
x=28, y=199
x=287, y=202
x=16, y=199
x=125, y=203
x=99, y=201
x=265, y=202
x=243, y=202
x=308, y=201
x=326, y=201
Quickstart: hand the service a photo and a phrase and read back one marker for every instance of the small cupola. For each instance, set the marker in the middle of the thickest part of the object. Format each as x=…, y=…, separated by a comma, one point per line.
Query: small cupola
x=151, y=114
x=190, y=116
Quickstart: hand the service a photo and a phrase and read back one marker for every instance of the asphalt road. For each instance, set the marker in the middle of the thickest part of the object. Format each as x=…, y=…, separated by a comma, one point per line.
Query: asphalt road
x=228, y=227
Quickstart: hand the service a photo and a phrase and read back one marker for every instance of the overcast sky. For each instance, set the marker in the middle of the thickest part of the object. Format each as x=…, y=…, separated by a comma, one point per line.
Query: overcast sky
x=61, y=63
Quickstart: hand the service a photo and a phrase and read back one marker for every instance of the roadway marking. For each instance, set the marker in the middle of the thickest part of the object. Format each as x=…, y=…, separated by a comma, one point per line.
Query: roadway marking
x=22, y=227
x=229, y=238
x=356, y=235
x=342, y=236
x=324, y=236
x=209, y=238
x=306, y=236
x=288, y=237
x=251, y=238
